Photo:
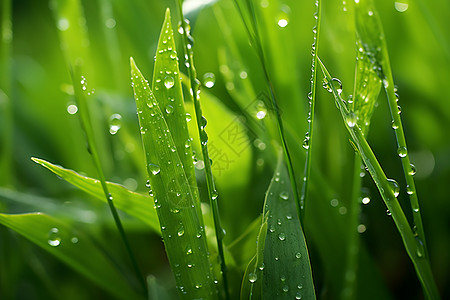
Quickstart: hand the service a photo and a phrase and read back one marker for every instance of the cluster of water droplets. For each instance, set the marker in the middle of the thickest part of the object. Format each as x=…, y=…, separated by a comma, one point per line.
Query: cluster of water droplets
x=54, y=238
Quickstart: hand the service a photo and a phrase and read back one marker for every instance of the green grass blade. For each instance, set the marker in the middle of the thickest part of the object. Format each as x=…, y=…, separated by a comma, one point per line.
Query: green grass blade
x=166, y=87
x=6, y=116
x=182, y=230
x=136, y=205
x=370, y=31
x=62, y=240
x=201, y=124
x=287, y=271
x=80, y=88
x=388, y=190
x=307, y=143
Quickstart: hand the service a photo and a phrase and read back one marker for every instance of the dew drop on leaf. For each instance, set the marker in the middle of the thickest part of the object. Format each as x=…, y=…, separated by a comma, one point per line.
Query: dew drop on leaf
x=394, y=186
x=252, y=277
x=54, y=238
x=115, y=122
x=154, y=169
x=351, y=119
x=209, y=79
x=282, y=236
x=284, y=195
x=169, y=82
x=412, y=170
x=402, y=151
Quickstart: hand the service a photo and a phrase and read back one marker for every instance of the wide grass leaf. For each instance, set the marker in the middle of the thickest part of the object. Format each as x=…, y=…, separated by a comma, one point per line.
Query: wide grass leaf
x=72, y=247
x=287, y=270
x=177, y=205
x=136, y=205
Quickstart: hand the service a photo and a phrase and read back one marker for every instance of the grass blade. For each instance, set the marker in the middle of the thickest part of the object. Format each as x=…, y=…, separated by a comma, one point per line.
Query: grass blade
x=73, y=248
x=307, y=143
x=136, y=205
x=201, y=124
x=287, y=271
x=5, y=93
x=181, y=225
x=388, y=190
x=371, y=33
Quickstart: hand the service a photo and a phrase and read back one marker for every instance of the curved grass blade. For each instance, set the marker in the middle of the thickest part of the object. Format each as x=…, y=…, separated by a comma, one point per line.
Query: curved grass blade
x=181, y=225
x=184, y=29
x=287, y=271
x=252, y=287
x=388, y=190
x=136, y=205
x=73, y=248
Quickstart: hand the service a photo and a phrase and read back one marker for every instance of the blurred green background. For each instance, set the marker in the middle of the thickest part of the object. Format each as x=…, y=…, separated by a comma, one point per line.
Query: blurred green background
x=38, y=118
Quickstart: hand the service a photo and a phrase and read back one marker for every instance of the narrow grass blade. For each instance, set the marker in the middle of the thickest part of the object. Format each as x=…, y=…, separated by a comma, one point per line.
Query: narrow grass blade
x=251, y=287
x=388, y=189
x=184, y=30
x=248, y=15
x=136, y=205
x=72, y=247
x=6, y=114
x=370, y=31
x=181, y=225
x=307, y=143
x=366, y=90
x=287, y=271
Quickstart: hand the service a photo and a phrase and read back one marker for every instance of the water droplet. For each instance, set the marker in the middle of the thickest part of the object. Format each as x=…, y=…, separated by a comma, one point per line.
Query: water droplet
x=394, y=125
x=203, y=122
x=252, y=277
x=174, y=210
x=283, y=22
x=365, y=200
x=298, y=296
x=74, y=240
x=284, y=195
x=351, y=119
x=169, y=82
x=110, y=23
x=63, y=24
x=399, y=109
x=402, y=151
x=282, y=236
x=361, y=228
x=115, y=122
x=180, y=231
x=198, y=286
x=412, y=170
x=400, y=6
x=209, y=79
x=155, y=169
x=189, y=251
x=53, y=237
x=409, y=190
x=388, y=212
x=394, y=186
x=72, y=109
x=169, y=109
x=334, y=202
x=285, y=288
x=188, y=117
x=298, y=255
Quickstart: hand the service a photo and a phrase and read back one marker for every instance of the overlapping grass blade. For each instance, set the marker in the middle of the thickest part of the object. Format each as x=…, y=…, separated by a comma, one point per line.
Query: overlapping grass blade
x=72, y=247
x=178, y=211
x=388, y=190
x=181, y=225
x=135, y=204
x=286, y=266
x=371, y=34
x=166, y=87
